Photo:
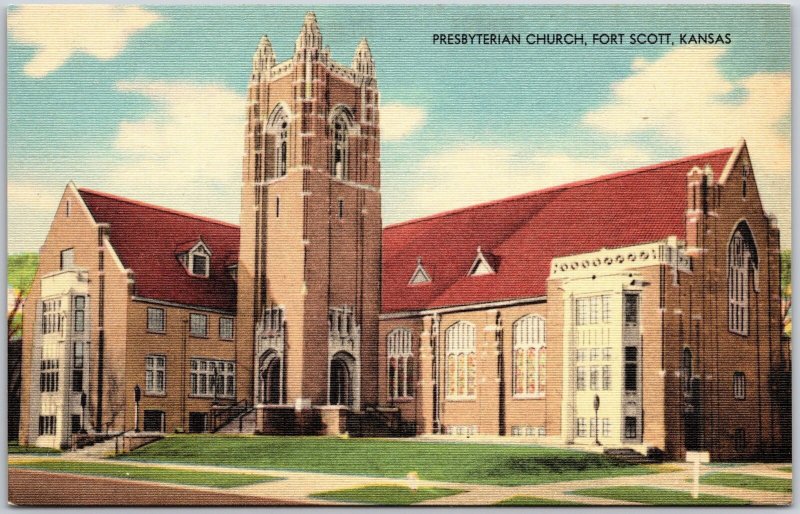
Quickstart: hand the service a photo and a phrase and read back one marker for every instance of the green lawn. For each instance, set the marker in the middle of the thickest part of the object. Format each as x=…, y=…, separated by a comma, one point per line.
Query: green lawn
x=656, y=496
x=533, y=501
x=15, y=448
x=785, y=469
x=385, y=494
x=451, y=462
x=778, y=485
x=174, y=476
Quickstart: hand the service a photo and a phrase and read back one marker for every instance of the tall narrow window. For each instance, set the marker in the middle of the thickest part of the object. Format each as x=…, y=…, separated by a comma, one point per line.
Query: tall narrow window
x=400, y=365
x=529, y=356
x=631, y=309
x=154, y=371
x=461, y=360
x=631, y=368
x=155, y=320
x=339, y=127
x=79, y=313
x=742, y=261
x=278, y=207
x=745, y=173
x=686, y=370
x=67, y=259
x=278, y=129
x=341, y=208
x=77, y=367
x=739, y=385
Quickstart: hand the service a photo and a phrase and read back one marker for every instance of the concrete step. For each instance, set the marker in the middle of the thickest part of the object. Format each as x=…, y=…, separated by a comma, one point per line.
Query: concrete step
x=244, y=424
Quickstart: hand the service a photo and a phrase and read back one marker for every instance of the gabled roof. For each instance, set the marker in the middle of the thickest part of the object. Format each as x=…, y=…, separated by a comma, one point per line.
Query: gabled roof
x=525, y=232
x=146, y=238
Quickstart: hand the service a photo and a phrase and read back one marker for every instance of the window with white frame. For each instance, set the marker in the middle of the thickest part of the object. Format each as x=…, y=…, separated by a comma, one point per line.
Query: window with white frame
x=580, y=427
x=198, y=325
x=461, y=360
x=155, y=320
x=400, y=363
x=79, y=313
x=594, y=378
x=739, y=385
x=742, y=259
x=48, y=375
x=606, y=427
x=530, y=356
x=47, y=425
x=155, y=368
x=198, y=262
x=212, y=378
x=51, y=316
x=606, y=378
x=226, y=329
x=592, y=310
x=580, y=378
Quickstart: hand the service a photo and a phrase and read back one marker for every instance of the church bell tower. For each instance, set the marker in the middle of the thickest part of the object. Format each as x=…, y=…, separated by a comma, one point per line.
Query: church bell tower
x=309, y=261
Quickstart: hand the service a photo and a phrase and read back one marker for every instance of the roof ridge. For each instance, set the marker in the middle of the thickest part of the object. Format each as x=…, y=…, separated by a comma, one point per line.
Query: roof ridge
x=156, y=207
x=559, y=187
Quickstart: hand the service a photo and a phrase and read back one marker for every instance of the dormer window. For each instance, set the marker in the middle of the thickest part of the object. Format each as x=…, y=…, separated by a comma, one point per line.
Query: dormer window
x=199, y=263
x=196, y=259
x=420, y=276
x=482, y=264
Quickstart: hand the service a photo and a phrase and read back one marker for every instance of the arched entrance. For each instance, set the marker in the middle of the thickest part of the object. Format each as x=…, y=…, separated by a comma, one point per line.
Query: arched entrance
x=341, y=379
x=270, y=379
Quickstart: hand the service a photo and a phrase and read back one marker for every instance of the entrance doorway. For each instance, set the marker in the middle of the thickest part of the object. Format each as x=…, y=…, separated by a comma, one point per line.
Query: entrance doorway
x=197, y=422
x=270, y=379
x=341, y=380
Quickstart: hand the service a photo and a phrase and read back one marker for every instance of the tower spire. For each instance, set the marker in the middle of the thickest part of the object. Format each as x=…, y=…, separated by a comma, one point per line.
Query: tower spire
x=264, y=58
x=310, y=36
x=362, y=60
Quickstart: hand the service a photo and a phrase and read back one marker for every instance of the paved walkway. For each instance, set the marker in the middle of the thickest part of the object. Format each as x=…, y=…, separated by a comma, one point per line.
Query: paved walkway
x=299, y=486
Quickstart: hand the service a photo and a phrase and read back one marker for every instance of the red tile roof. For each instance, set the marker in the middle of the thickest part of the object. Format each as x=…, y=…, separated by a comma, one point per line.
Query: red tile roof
x=519, y=235
x=147, y=239
x=523, y=233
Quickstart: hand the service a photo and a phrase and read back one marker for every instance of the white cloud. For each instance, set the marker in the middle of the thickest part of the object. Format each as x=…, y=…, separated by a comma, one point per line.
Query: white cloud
x=188, y=152
x=59, y=31
x=684, y=99
x=399, y=120
x=468, y=174
x=31, y=206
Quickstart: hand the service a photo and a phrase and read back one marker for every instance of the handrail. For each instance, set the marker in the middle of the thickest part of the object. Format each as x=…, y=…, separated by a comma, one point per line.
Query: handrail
x=222, y=416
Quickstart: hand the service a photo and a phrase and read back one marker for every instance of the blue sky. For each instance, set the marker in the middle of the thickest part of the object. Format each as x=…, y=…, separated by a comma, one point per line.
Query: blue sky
x=148, y=102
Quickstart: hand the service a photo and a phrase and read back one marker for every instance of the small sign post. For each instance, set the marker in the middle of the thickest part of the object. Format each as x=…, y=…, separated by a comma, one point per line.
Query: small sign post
x=697, y=458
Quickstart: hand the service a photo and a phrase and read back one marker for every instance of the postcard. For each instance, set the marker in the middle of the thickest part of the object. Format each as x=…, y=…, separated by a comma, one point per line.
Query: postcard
x=399, y=255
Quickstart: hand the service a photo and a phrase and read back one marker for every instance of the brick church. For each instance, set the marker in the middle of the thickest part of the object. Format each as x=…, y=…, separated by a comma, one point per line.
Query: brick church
x=639, y=309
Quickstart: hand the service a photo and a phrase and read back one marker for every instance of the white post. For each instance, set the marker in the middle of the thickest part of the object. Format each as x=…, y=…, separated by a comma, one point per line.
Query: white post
x=696, y=458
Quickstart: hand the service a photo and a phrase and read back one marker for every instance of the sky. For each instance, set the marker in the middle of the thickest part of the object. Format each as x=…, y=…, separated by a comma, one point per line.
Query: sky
x=149, y=102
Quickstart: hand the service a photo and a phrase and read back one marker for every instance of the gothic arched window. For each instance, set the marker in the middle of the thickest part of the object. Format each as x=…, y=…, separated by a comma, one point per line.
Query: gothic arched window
x=530, y=349
x=461, y=360
x=400, y=363
x=278, y=129
x=742, y=263
x=340, y=125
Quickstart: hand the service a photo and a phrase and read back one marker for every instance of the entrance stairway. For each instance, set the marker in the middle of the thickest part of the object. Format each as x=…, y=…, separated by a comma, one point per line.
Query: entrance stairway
x=631, y=456
x=242, y=424
x=96, y=449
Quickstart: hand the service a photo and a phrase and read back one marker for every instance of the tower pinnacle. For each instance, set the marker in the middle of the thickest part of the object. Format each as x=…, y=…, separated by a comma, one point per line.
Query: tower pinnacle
x=310, y=37
x=264, y=58
x=362, y=60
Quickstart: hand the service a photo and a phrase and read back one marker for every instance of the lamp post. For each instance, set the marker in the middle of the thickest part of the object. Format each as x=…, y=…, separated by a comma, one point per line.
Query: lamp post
x=137, y=396
x=596, y=420
x=83, y=412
